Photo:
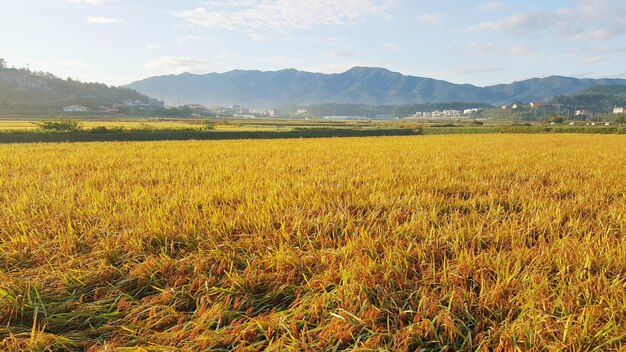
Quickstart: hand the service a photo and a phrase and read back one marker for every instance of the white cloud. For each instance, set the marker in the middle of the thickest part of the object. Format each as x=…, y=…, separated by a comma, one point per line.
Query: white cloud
x=594, y=60
x=189, y=39
x=178, y=65
x=259, y=36
x=491, y=6
x=88, y=2
x=67, y=62
x=469, y=69
x=103, y=20
x=280, y=61
x=491, y=49
x=587, y=20
x=599, y=33
x=283, y=15
x=340, y=67
x=526, y=21
x=606, y=50
x=343, y=54
x=153, y=46
x=591, y=9
x=428, y=18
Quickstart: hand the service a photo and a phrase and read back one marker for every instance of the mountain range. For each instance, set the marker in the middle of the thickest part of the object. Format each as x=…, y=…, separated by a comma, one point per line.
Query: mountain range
x=359, y=85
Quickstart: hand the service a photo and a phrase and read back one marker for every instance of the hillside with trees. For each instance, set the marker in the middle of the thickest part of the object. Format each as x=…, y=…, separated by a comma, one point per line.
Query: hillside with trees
x=600, y=99
x=34, y=92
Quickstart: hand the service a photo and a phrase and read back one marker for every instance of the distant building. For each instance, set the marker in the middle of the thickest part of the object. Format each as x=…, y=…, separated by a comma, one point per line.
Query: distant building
x=471, y=112
x=448, y=113
x=342, y=117
x=196, y=107
x=618, y=110
x=136, y=104
x=109, y=109
x=151, y=104
x=238, y=109
x=156, y=103
x=245, y=116
x=584, y=113
x=272, y=112
x=75, y=108
x=452, y=113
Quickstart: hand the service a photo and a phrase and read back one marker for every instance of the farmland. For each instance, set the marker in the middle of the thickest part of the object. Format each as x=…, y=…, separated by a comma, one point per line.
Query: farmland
x=31, y=130
x=449, y=242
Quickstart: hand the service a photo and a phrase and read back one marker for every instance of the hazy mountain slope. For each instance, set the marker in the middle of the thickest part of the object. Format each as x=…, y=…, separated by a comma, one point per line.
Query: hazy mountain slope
x=359, y=85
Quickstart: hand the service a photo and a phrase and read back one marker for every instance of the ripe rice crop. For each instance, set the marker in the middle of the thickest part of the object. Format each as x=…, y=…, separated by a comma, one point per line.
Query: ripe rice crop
x=488, y=242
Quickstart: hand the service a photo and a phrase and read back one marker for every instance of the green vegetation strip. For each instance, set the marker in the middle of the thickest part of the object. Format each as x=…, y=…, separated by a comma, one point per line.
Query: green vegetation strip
x=160, y=135
x=526, y=129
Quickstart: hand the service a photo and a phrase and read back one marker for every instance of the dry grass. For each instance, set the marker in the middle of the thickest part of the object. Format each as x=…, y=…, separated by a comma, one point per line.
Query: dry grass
x=405, y=243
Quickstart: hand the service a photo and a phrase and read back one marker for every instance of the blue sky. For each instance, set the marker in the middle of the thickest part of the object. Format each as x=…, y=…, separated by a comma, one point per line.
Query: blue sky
x=476, y=42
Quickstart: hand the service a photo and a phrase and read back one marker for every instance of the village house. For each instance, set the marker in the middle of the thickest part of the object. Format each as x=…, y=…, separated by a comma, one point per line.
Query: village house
x=448, y=113
x=618, y=110
x=238, y=109
x=452, y=113
x=109, y=109
x=436, y=113
x=198, y=107
x=272, y=112
x=537, y=104
x=471, y=112
x=151, y=104
x=342, y=117
x=75, y=108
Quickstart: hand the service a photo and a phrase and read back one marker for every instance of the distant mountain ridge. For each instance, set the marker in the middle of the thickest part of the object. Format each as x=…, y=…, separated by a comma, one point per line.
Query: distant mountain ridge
x=359, y=85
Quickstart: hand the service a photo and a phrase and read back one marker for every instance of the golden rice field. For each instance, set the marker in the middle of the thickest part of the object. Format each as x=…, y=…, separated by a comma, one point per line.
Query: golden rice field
x=452, y=243
x=230, y=125
x=25, y=125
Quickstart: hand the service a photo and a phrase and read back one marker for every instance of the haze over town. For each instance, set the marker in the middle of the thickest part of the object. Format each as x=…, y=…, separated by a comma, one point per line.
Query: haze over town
x=482, y=43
